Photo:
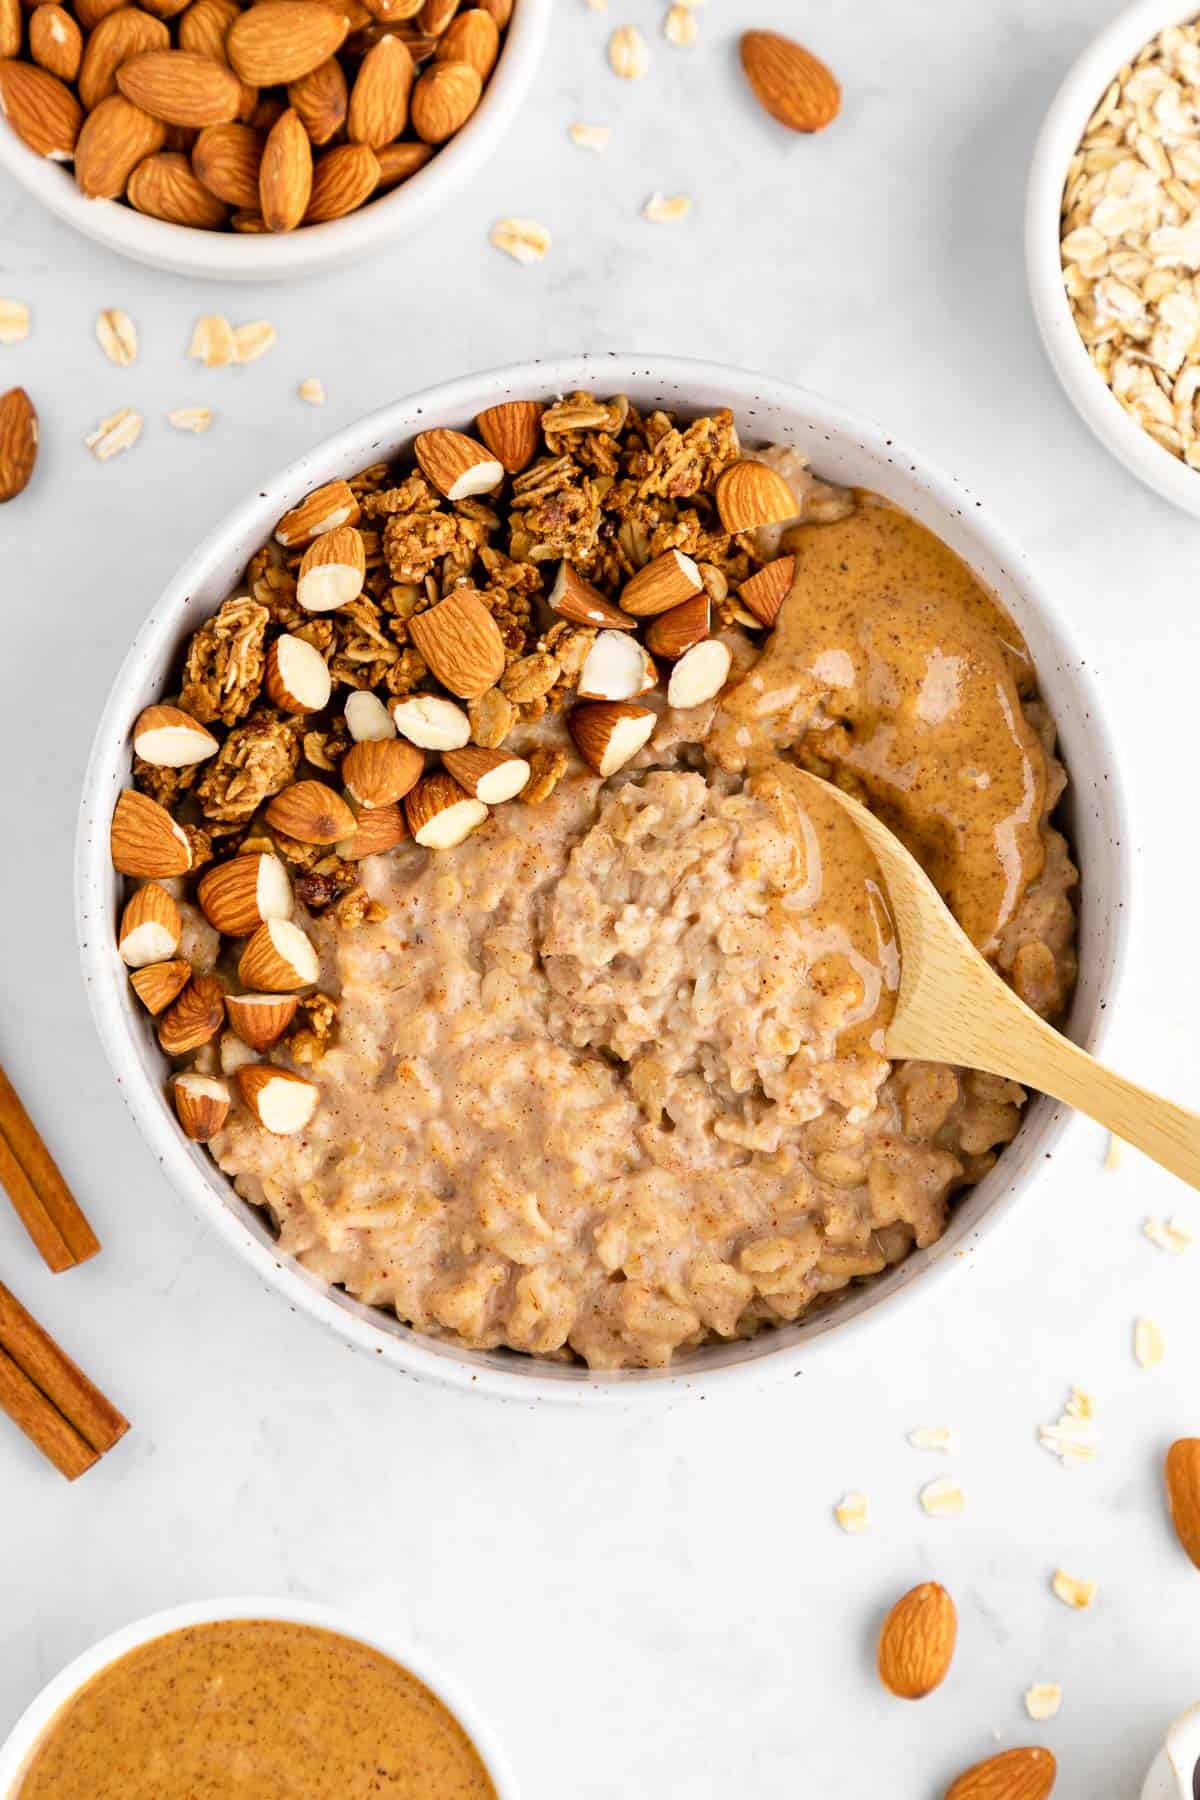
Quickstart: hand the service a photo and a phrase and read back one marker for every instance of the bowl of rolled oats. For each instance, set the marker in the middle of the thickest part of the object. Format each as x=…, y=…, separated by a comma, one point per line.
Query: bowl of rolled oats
x=461, y=940
x=1112, y=242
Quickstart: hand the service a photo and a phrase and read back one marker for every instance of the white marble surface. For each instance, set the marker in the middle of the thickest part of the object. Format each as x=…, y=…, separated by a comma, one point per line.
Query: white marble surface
x=647, y=1604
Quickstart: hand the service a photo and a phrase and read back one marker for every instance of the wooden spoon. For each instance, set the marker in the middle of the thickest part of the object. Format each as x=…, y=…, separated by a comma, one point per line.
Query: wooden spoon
x=953, y=1007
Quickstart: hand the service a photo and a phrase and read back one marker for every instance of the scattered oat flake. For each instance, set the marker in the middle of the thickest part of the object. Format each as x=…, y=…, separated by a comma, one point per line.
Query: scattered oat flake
x=14, y=321
x=1174, y=1238
x=851, y=1513
x=1072, y=1592
x=1073, y=1438
x=523, y=239
x=116, y=334
x=1114, y=1156
x=662, y=209
x=253, y=340
x=943, y=1499
x=312, y=391
x=680, y=27
x=190, y=418
x=628, y=54
x=213, y=342
x=1043, y=1700
x=931, y=1437
x=590, y=137
x=597, y=5
x=1149, y=1344
x=111, y=436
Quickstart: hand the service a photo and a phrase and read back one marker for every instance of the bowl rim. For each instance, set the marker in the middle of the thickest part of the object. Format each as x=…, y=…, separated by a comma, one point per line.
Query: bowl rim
x=527, y=1381
x=16, y=1747
x=236, y=256
x=1078, y=95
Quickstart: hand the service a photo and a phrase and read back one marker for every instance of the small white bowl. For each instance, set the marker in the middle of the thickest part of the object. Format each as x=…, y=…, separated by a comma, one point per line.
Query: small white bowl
x=1081, y=92
x=342, y=243
x=25, y=1734
x=843, y=447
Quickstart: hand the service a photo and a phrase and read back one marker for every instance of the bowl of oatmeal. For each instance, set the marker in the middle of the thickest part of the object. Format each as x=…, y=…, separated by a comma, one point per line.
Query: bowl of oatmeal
x=1111, y=244
x=473, y=960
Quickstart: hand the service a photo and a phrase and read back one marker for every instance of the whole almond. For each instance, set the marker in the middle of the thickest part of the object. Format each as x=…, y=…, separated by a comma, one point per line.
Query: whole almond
x=273, y=44
x=916, y=1644
x=435, y=15
x=115, y=138
x=1027, y=1773
x=321, y=99
x=512, y=432
x=41, y=109
x=55, y=41
x=342, y=179
x=285, y=175
x=120, y=35
x=792, y=84
x=379, y=98
x=226, y=158
x=180, y=87
x=18, y=442
x=165, y=187
x=12, y=27
x=473, y=38
x=444, y=98
x=461, y=643
x=398, y=161
x=1183, y=1493
x=750, y=494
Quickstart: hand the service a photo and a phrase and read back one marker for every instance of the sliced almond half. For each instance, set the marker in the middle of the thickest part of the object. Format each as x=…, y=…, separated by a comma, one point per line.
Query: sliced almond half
x=309, y=811
x=608, y=733
x=297, y=676
x=379, y=829
x=171, y=739
x=700, y=674
x=151, y=927
x=573, y=598
x=260, y=1020
x=456, y=465
x=325, y=509
x=461, y=643
x=668, y=581
x=381, y=771
x=367, y=718
x=201, y=1104
x=145, y=841
x=673, y=633
x=616, y=668
x=332, y=570
x=282, y=1103
x=236, y=896
x=441, y=814
x=764, y=593
x=279, y=959
x=492, y=776
x=431, y=722
x=194, y=1018
x=159, y=983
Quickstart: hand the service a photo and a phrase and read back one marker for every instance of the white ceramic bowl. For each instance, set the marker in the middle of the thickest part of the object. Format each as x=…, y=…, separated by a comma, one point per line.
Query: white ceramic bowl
x=1072, y=107
x=844, y=448
x=340, y=244
x=17, y=1747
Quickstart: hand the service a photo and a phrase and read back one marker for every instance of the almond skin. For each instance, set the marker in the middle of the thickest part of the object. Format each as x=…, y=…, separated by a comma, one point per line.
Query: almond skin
x=260, y=1020
x=512, y=432
x=344, y=178
x=285, y=174
x=18, y=442
x=378, y=109
x=672, y=634
x=322, y=100
x=114, y=139
x=201, y=1104
x=1027, y=1773
x=1183, y=1493
x=792, y=84
x=41, y=109
x=271, y=45
x=226, y=159
x=308, y=810
x=444, y=99
x=181, y=88
x=165, y=187
x=145, y=841
x=474, y=38
x=159, y=983
x=668, y=581
x=764, y=593
x=461, y=643
x=917, y=1641
x=572, y=597
x=196, y=1016
x=381, y=771
x=120, y=35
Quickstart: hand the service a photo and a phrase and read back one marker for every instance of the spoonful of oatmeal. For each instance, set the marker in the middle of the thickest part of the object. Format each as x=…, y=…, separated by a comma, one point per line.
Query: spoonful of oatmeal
x=953, y=1007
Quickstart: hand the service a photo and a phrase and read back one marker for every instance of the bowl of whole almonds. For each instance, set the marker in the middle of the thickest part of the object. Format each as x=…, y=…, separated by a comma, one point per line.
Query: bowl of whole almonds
x=1112, y=242
x=260, y=142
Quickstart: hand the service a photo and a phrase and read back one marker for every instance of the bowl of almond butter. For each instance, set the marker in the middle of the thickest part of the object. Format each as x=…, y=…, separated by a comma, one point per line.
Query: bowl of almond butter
x=463, y=943
x=259, y=142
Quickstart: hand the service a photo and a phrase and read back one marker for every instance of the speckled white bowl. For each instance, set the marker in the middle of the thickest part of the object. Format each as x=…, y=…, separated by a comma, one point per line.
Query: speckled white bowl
x=26, y=1733
x=1081, y=92
x=842, y=447
x=340, y=244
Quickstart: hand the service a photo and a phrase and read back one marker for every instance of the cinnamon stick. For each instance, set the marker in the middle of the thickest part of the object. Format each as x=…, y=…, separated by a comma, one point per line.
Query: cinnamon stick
x=64, y=1384
x=42, y=1422
x=44, y=1202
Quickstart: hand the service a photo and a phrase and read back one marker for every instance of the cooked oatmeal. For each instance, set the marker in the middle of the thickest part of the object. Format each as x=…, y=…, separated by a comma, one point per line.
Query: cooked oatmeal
x=607, y=1080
